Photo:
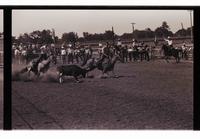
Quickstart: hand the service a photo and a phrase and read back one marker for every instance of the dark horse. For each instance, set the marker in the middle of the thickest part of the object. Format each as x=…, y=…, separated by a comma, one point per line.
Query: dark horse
x=171, y=51
x=104, y=64
x=33, y=65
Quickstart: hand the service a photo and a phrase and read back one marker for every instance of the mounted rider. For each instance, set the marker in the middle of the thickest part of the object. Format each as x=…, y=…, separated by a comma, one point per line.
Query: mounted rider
x=169, y=41
x=106, y=51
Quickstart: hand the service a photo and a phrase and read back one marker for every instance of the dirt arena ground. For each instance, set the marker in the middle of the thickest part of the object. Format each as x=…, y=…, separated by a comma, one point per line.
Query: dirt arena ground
x=147, y=95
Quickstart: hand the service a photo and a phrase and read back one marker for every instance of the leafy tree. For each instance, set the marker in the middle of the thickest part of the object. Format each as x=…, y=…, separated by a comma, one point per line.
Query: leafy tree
x=70, y=37
x=163, y=30
x=165, y=25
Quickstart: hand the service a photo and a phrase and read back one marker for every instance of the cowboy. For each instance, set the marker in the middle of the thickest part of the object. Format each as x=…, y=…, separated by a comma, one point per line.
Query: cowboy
x=106, y=51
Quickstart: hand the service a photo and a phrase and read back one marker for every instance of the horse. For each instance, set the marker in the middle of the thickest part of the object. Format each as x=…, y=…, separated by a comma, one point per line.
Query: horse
x=170, y=51
x=44, y=65
x=107, y=65
x=104, y=64
x=33, y=65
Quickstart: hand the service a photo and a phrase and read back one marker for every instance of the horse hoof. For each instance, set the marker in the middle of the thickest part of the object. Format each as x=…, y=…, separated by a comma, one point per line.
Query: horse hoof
x=78, y=81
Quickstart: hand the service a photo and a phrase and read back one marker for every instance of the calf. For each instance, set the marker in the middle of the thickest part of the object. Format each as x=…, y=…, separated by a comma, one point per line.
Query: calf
x=70, y=70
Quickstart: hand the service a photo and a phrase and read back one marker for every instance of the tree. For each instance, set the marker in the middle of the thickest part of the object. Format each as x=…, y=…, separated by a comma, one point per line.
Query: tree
x=181, y=33
x=165, y=25
x=163, y=30
x=108, y=35
x=36, y=37
x=70, y=37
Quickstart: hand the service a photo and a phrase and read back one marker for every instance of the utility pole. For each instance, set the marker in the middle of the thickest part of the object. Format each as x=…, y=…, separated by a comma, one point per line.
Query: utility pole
x=182, y=26
x=182, y=32
x=133, y=26
x=113, y=37
x=191, y=25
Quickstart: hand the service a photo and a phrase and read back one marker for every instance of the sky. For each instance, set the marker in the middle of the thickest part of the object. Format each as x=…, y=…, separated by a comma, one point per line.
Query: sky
x=1, y=20
x=96, y=21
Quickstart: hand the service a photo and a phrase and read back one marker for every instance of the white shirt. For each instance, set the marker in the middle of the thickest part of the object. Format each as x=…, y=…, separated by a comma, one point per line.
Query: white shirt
x=23, y=52
x=119, y=43
x=133, y=44
x=63, y=52
x=87, y=51
x=169, y=42
x=17, y=52
x=100, y=45
x=102, y=50
x=183, y=47
x=130, y=49
x=70, y=51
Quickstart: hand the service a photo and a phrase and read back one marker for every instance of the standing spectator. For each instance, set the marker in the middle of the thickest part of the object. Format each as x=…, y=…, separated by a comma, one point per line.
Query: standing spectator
x=24, y=55
x=119, y=43
x=17, y=55
x=124, y=53
x=130, y=53
x=146, y=52
x=184, y=51
x=63, y=55
x=87, y=53
x=100, y=51
x=90, y=52
x=76, y=54
x=70, y=54
x=134, y=43
x=100, y=45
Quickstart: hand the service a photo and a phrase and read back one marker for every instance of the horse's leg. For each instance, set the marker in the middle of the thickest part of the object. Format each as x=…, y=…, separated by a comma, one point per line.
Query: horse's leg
x=166, y=58
x=103, y=73
x=114, y=75
x=38, y=74
x=29, y=73
x=178, y=59
x=60, y=78
x=76, y=78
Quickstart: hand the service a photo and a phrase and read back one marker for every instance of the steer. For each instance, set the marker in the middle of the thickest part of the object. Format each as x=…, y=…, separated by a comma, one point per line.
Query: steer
x=70, y=70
